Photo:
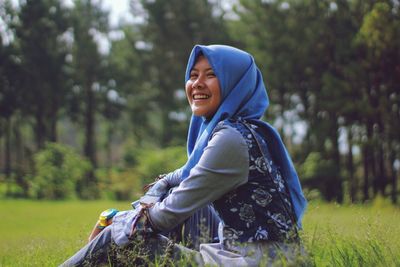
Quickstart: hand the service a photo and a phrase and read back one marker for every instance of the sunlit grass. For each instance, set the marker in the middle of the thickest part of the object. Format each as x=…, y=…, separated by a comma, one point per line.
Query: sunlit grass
x=352, y=235
x=34, y=233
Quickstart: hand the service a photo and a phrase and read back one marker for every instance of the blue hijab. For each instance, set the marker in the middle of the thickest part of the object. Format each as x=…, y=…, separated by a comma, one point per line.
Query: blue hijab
x=243, y=95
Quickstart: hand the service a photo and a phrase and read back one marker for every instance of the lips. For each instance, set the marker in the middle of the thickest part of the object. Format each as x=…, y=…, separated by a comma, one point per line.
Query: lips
x=200, y=96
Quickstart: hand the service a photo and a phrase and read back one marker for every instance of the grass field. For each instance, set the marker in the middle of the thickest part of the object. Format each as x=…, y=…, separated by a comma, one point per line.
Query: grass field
x=34, y=233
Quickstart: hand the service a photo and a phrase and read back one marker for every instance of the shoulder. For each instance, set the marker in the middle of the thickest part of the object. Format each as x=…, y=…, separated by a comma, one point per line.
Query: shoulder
x=227, y=136
x=234, y=127
x=226, y=149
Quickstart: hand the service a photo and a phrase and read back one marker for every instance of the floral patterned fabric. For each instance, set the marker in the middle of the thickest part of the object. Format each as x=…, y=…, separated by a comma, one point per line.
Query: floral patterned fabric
x=261, y=209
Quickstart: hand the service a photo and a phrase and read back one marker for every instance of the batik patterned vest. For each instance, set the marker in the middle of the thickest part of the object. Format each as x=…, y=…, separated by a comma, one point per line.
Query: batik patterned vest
x=261, y=209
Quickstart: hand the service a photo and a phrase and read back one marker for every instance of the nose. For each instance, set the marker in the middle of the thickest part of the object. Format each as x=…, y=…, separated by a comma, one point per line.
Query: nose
x=198, y=83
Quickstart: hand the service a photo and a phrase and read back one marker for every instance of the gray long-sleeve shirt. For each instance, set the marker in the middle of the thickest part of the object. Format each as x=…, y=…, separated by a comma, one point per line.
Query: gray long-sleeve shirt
x=223, y=167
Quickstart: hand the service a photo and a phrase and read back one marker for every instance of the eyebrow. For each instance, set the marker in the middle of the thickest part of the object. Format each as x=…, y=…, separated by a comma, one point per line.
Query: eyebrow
x=205, y=69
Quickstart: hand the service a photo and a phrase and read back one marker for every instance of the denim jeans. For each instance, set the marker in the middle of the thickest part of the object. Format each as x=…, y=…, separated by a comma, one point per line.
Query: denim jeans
x=201, y=227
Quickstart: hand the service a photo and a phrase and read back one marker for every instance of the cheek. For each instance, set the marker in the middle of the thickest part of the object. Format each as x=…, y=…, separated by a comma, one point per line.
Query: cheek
x=188, y=90
x=216, y=90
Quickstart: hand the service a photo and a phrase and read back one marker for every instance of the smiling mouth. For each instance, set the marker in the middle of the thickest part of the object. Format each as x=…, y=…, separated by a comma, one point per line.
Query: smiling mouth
x=200, y=97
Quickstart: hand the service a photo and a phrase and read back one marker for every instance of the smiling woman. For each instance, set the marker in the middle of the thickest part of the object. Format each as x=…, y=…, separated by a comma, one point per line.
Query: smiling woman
x=202, y=89
x=238, y=197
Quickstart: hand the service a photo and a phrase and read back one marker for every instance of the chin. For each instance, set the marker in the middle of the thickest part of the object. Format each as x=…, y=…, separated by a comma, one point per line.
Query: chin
x=198, y=112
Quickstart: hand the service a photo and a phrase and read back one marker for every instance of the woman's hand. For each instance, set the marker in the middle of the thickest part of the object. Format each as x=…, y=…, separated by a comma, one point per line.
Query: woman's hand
x=150, y=185
x=105, y=219
x=95, y=231
x=141, y=224
x=157, y=191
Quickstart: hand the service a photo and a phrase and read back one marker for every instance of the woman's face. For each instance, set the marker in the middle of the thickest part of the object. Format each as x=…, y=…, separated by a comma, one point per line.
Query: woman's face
x=202, y=89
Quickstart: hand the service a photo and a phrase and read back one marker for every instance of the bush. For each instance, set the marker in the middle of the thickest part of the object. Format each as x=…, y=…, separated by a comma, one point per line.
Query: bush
x=58, y=169
x=120, y=184
x=320, y=174
x=157, y=161
x=126, y=183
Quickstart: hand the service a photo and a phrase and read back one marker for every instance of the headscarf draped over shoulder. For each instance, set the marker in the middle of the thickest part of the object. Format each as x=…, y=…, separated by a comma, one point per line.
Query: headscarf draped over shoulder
x=243, y=95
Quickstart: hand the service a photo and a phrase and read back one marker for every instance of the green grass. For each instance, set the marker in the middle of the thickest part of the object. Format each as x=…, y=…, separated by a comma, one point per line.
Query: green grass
x=352, y=235
x=35, y=233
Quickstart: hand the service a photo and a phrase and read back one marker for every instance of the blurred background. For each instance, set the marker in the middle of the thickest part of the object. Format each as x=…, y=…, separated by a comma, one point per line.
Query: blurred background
x=92, y=101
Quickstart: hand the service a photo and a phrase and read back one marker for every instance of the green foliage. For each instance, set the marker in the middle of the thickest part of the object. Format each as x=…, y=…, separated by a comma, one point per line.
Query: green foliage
x=58, y=169
x=141, y=167
x=171, y=29
x=379, y=29
x=332, y=65
x=120, y=184
x=89, y=72
x=43, y=63
x=158, y=161
x=312, y=194
x=318, y=173
x=380, y=203
x=316, y=167
x=130, y=158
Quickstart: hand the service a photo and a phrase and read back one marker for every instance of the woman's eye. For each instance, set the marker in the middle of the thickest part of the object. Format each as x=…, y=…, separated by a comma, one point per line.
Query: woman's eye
x=211, y=74
x=193, y=76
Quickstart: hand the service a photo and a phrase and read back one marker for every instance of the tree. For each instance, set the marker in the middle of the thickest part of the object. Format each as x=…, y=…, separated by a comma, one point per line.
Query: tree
x=127, y=65
x=331, y=63
x=34, y=67
x=89, y=21
x=170, y=31
x=301, y=57
x=8, y=101
x=9, y=71
x=378, y=41
x=43, y=63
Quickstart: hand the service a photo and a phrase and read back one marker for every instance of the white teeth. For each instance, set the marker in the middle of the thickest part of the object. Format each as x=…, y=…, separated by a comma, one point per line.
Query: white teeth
x=200, y=97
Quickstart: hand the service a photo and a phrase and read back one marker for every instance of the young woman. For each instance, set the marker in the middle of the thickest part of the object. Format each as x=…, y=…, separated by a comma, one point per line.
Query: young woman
x=238, y=171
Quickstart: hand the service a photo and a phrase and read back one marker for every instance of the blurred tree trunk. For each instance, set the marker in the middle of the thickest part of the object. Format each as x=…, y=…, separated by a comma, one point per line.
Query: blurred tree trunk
x=382, y=180
x=109, y=135
x=90, y=147
x=18, y=146
x=371, y=162
x=350, y=166
x=55, y=105
x=7, y=153
x=365, y=156
x=337, y=185
x=393, y=170
x=40, y=129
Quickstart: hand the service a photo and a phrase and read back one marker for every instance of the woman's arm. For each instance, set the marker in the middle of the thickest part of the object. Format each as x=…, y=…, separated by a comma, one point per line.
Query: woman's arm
x=157, y=190
x=173, y=178
x=222, y=168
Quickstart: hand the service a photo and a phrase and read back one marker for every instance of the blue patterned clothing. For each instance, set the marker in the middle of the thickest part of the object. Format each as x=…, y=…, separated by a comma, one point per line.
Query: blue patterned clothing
x=241, y=180
x=260, y=209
